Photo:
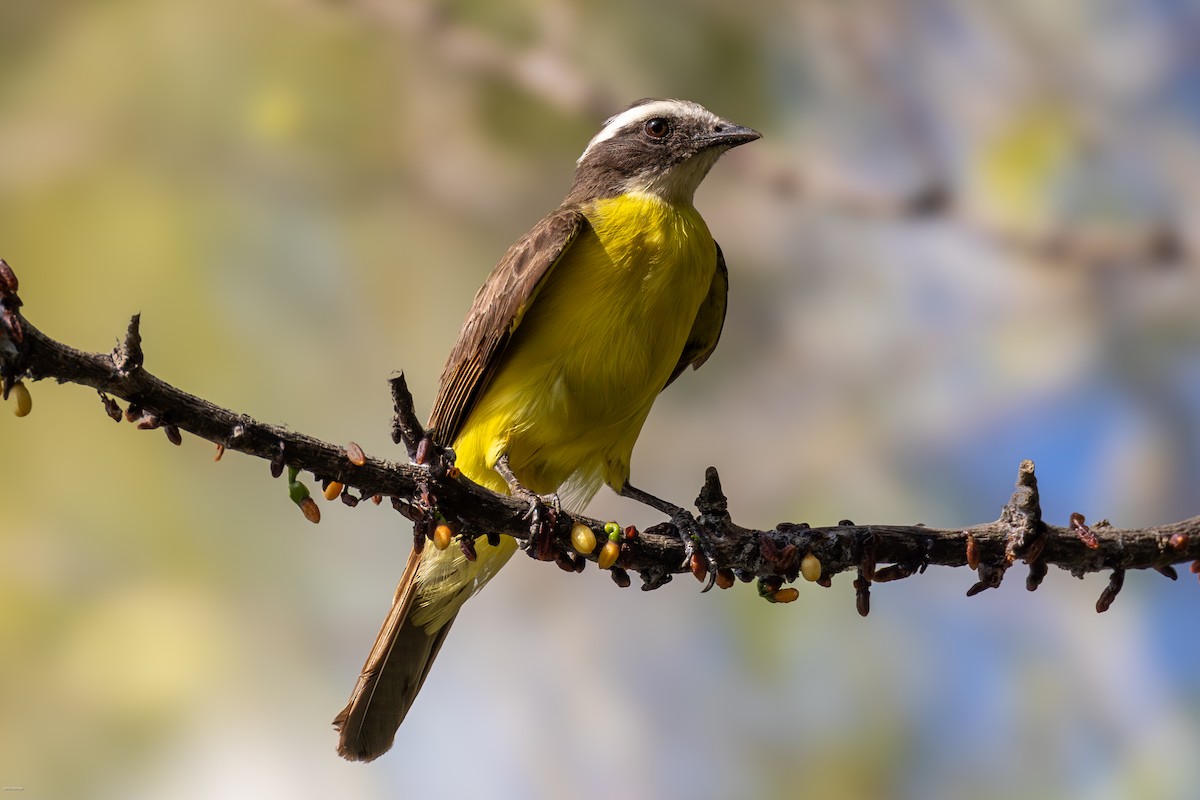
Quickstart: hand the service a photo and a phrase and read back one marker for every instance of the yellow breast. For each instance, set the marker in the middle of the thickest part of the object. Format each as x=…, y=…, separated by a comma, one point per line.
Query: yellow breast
x=594, y=349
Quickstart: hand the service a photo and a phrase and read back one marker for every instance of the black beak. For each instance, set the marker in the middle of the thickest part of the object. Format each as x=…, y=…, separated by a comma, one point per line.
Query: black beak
x=726, y=134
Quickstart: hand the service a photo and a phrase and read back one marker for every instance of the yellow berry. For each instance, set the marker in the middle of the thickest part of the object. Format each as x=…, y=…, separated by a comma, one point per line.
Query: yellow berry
x=583, y=538
x=810, y=568
x=21, y=396
x=333, y=490
x=786, y=595
x=442, y=536
x=608, y=554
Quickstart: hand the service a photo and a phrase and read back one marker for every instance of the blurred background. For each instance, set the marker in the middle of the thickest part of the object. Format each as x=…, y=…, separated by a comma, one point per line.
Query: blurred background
x=966, y=238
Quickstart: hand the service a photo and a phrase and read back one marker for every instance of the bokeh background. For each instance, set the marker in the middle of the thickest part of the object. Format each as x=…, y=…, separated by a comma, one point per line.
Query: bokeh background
x=965, y=239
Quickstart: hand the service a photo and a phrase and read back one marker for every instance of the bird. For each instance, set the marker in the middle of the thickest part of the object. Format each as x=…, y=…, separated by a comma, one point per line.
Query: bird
x=587, y=317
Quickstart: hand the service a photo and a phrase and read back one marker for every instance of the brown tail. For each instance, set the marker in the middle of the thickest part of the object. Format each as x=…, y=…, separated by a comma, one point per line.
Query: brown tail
x=390, y=679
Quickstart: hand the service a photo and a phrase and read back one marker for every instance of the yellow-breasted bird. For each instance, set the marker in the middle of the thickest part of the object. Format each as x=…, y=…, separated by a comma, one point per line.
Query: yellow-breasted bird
x=569, y=341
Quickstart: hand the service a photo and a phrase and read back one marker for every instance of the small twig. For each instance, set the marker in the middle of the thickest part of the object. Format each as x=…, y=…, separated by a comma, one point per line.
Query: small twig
x=127, y=357
x=406, y=427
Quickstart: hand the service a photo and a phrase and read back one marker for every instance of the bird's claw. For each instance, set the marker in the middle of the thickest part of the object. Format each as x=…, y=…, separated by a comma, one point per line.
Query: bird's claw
x=541, y=505
x=543, y=513
x=695, y=544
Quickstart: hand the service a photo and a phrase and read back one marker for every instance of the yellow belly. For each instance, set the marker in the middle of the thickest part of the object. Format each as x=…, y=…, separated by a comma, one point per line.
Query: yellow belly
x=583, y=369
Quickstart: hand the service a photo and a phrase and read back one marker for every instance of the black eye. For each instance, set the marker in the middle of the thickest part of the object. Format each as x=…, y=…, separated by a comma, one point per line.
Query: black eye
x=657, y=128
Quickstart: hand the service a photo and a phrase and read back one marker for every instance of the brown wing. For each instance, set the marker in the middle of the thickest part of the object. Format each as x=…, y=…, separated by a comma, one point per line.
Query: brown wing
x=495, y=314
x=710, y=319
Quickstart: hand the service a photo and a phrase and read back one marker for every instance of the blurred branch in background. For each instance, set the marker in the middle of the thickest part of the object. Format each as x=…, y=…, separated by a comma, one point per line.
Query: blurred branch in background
x=1045, y=171
x=1041, y=164
x=544, y=70
x=431, y=491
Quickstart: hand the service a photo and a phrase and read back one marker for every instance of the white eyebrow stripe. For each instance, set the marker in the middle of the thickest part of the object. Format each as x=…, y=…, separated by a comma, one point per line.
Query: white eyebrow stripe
x=616, y=123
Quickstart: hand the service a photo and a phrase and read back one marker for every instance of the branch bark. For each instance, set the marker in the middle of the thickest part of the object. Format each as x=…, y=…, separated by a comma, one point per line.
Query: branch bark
x=431, y=491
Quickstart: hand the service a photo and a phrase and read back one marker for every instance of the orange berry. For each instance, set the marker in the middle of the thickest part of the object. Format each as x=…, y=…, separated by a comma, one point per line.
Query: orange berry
x=442, y=536
x=608, y=554
x=787, y=595
x=312, y=512
x=725, y=578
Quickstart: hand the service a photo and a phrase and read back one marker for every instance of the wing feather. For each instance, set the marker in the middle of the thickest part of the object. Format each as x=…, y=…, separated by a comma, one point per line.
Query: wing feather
x=710, y=320
x=495, y=314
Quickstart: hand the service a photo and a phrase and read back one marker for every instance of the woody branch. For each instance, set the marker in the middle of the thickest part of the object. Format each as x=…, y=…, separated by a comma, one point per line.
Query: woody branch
x=429, y=491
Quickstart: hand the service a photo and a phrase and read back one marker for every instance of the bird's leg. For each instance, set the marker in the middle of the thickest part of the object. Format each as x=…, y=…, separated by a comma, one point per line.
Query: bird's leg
x=543, y=511
x=685, y=523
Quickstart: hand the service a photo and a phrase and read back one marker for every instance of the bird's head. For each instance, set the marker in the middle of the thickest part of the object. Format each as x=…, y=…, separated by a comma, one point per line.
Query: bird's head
x=660, y=147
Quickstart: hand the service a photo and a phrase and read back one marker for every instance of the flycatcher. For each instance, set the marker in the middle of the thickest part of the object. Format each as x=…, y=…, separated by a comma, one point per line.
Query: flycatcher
x=584, y=321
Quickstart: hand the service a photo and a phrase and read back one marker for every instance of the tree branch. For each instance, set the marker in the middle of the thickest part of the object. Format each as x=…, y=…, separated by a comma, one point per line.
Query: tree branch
x=431, y=492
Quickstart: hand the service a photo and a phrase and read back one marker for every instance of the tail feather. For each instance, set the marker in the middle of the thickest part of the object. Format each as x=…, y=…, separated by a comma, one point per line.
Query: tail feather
x=390, y=678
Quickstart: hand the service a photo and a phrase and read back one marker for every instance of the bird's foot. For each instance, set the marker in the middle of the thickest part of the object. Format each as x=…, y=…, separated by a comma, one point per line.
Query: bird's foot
x=543, y=514
x=544, y=511
x=695, y=543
